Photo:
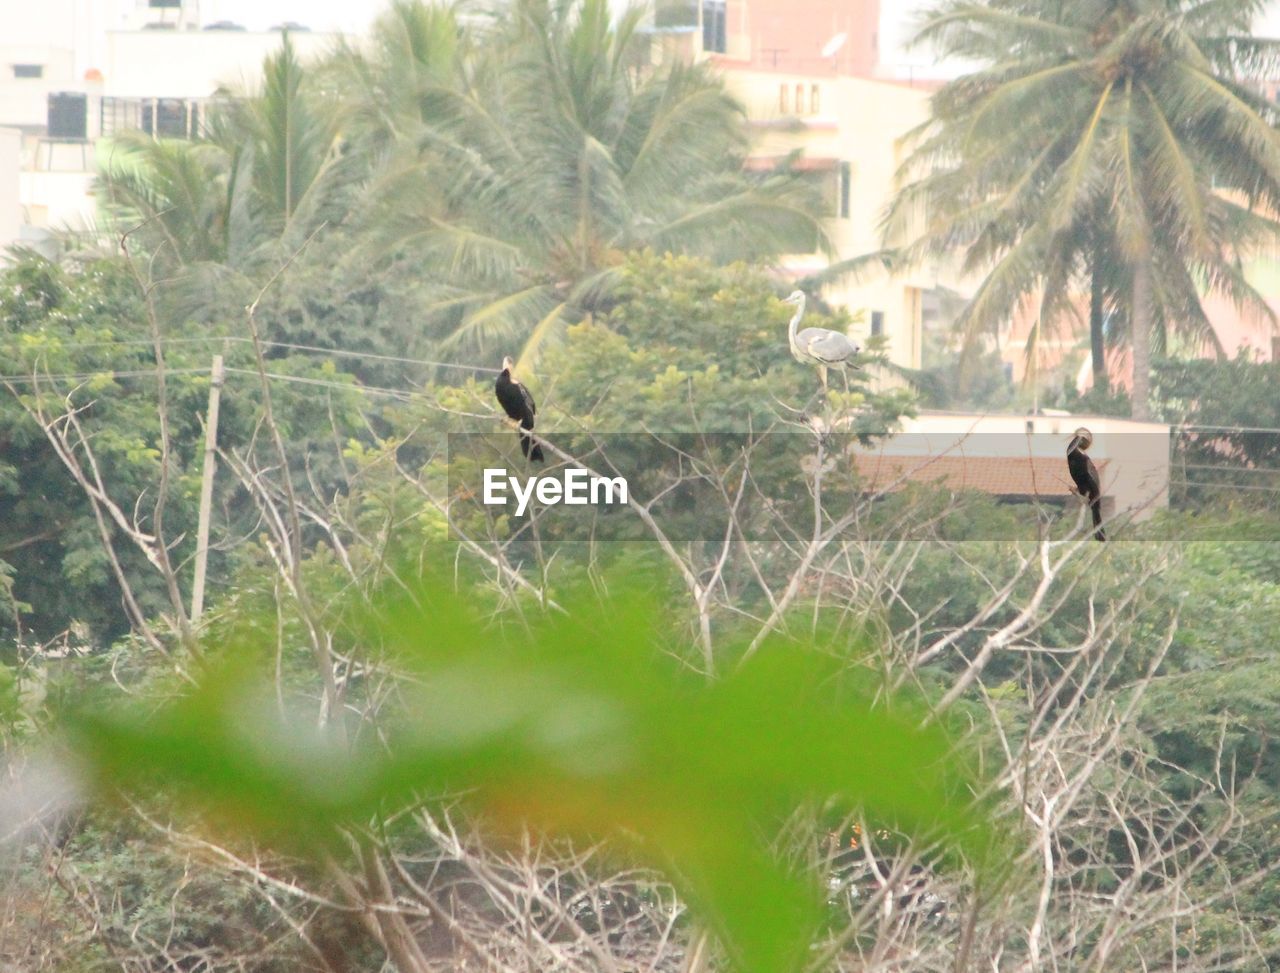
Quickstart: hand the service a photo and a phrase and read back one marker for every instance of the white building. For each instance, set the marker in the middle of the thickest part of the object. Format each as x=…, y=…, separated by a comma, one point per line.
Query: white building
x=28, y=73
x=193, y=64
x=159, y=67
x=10, y=167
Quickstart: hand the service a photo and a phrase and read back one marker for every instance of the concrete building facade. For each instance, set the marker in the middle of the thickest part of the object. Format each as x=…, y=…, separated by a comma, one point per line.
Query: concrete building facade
x=805, y=70
x=848, y=130
x=158, y=72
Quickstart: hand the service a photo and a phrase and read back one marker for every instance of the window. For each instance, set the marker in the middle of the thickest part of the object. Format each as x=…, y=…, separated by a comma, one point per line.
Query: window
x=799, y=99
x=877, y=323
x=28, y=70
x=170, y=118
x=846, y=189
x=813, y=99
x=713, y=26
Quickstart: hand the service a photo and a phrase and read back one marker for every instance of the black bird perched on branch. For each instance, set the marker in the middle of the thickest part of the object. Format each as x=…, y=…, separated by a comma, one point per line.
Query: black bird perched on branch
x=518, y=404
x=1085, y=475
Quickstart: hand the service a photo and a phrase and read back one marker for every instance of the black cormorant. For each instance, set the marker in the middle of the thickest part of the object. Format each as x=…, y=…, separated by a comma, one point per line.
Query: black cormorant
x=518, y=404
x=1085, y=475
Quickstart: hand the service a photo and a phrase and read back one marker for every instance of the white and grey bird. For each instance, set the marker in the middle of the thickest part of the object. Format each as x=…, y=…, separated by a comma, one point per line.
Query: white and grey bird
x=820, y=346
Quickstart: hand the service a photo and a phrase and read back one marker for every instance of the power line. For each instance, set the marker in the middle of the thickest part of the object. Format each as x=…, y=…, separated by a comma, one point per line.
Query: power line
x=83, y=376
x=1229, y=469
x=368, y=354
x=403, y=394
x=149, y=342
x=314, y=349
x=373, y=356
x=1226, y=428
x=1218, y=485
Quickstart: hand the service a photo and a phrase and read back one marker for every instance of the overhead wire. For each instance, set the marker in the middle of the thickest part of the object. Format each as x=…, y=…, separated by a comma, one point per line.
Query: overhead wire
x=312, y=349
x=374, y=356
x=34, y=378
x=403, y=394
x=1218, y=485
x=1229, y=469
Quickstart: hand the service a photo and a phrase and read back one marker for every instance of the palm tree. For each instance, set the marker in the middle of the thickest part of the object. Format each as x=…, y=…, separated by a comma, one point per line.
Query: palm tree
x=1111, y=142
x=504, y=166
x=267, y=172
x=545, y=147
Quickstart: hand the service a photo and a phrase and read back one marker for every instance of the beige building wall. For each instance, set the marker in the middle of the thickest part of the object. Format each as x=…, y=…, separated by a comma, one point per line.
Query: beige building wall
x=850, y=132
x=1133, y=457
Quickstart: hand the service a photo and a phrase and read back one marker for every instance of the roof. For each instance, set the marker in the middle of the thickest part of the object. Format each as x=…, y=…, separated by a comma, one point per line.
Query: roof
x=1026, y=476
x=797, y=123
x=803, y=163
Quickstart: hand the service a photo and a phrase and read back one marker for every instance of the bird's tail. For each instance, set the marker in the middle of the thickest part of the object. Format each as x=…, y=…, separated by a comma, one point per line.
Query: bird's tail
x=529, y=446
x=1096, y=507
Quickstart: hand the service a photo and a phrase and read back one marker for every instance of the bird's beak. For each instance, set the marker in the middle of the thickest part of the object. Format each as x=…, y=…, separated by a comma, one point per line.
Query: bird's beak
x=1075, y=441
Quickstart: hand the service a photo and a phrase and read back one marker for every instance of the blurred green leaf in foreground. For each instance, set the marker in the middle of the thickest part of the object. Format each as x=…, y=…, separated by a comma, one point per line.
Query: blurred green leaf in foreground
x=577, y=724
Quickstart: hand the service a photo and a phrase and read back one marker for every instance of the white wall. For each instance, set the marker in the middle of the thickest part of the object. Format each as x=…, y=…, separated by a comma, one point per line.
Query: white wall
x=24, y=101
x=194, y=63
x=57, y=200
x=10, y=165
x=40, y=22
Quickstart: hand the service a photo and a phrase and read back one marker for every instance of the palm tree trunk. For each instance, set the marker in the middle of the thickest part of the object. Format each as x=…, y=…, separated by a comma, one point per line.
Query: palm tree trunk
x=1097, y=346
x=1140, y=338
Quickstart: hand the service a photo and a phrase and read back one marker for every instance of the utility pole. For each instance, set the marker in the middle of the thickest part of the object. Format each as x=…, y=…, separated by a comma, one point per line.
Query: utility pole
x=216, y=377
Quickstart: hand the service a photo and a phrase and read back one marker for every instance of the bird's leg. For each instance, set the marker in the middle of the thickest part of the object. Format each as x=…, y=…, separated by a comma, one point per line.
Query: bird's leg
x=844, y=373
x=822, y=374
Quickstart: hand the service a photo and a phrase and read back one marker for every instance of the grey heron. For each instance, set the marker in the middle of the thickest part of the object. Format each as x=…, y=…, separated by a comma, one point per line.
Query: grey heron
x=819, y=346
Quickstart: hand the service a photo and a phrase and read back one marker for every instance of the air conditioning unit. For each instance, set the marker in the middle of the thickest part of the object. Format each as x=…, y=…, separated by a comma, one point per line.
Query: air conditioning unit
x=68, y=115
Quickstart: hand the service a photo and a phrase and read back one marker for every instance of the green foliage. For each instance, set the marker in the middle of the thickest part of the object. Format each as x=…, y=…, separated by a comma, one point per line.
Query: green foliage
x=55, y=323
x=80, y=336
x=505, y=167
x=692, y=347
x=978, y=382
x=690, y=369
x=578, y=725
x=1231, y=458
